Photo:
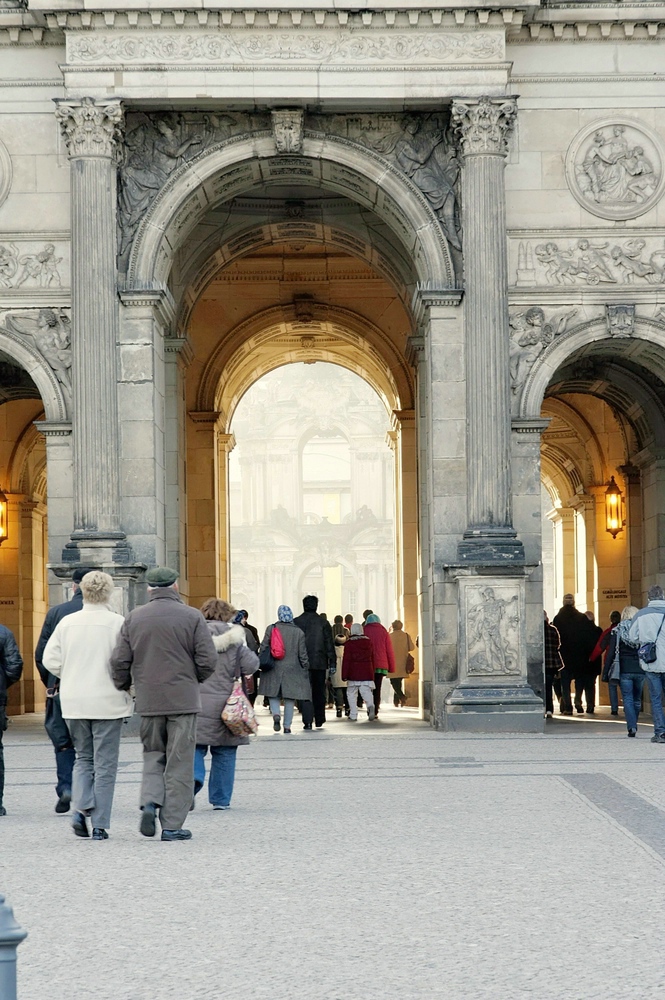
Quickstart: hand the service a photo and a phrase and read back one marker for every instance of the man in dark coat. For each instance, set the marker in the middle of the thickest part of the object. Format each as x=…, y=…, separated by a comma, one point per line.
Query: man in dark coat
x=166, y=651
x=11, y=667
x=578, y=637
x=321, y=656
x=55, y=725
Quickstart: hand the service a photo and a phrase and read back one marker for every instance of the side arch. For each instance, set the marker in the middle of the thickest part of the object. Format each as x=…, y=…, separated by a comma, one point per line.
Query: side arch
x=29, y=358
x=237, y=165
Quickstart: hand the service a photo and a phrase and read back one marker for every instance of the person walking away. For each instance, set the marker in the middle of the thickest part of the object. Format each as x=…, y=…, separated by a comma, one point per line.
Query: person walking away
x=165, y=649
x=384, y=658
x=348, y=622
x=11, y=668
x=402, y=644
x=253, y=642
x=55, y=725
x=553, y=666
x=647, y=626
x=600, y=650
x=340, y=637
x=622, y=661
x=234, y=658
x=358, y=672
x=289, y=678
x=321, y=656
x=578, y=637
x=79, y=654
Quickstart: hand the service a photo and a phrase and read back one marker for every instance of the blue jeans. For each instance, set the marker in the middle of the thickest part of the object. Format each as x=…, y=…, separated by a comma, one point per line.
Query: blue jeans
x=614, y=695
x=631, y=692
x=656, y=683
x=222, y=773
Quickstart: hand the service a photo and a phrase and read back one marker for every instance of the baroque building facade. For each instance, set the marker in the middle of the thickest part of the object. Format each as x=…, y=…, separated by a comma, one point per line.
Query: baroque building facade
x=463, y=205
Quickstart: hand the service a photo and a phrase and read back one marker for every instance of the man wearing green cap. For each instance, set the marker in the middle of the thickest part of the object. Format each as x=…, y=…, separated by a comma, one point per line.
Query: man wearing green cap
x=165, y=650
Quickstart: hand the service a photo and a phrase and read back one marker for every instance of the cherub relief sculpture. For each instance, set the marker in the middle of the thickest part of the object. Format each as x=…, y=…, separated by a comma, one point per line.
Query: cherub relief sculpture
x=36, y=269
x=50, y=332
x=530, y=335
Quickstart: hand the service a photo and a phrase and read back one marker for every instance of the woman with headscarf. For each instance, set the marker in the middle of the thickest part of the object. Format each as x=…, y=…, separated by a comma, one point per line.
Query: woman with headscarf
x=358, y=672
x=622, y=662
x=289, y=678
x=384, y=657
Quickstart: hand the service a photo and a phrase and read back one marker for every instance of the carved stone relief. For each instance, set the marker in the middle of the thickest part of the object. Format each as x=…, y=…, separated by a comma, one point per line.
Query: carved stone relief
x=615, y=169
x=634, y=261
x=30, y=267
x=287, y=130
x=620, y=320
x=531, y=333
x=492, y=629
x=49, y=331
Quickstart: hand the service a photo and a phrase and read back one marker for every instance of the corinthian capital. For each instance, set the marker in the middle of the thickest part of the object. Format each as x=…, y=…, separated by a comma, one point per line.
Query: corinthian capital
x=483, y=125
x=90, y=127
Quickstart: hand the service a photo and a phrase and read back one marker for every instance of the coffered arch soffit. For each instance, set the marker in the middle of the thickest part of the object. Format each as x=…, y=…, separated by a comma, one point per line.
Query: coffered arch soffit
x=276, y=337
x=238, y=166
x=585, y=436
x=27, y=465
x=560, y=474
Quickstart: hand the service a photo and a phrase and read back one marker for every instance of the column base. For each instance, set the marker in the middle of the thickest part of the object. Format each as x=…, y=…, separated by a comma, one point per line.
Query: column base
x=509, y=708
x=487, y=546
x=96, y=548
x=128, y=578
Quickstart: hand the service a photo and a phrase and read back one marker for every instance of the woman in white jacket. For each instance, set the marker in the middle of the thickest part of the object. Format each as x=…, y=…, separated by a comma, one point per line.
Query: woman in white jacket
x=79, y=653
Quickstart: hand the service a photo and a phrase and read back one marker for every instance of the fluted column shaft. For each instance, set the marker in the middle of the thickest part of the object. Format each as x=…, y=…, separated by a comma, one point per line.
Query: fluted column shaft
x=483, y=126
x=90, y=129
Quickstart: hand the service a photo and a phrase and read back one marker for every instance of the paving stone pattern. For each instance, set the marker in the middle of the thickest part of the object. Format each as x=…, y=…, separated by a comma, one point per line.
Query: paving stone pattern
x=370, y=861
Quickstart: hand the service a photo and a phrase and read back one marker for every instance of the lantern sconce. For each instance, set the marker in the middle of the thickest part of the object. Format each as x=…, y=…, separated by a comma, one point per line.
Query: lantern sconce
x=3, y=517
x=614, y=519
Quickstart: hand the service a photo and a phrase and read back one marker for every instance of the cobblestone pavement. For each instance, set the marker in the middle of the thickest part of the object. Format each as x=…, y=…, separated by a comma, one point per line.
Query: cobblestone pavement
x=366, y=861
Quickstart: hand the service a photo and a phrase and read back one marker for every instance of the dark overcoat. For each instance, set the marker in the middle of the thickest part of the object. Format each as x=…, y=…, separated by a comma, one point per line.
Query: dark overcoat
x=290, y=676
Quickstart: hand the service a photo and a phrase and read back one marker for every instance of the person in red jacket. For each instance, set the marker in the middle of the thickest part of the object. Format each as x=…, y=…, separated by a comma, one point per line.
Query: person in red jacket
x=358, y=672
x=384, y=657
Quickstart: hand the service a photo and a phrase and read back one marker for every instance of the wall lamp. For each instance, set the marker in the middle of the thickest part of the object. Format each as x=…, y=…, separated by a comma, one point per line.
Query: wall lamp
x=614, y=519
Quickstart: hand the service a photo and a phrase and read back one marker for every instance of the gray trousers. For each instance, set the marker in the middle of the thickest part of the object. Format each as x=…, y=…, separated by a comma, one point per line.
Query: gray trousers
x=97, y=745
x=169, y=743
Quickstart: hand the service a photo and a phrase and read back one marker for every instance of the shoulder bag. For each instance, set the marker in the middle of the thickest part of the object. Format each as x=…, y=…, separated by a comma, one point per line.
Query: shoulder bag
x=266, y=661
x=647, y=651
x=238, y=715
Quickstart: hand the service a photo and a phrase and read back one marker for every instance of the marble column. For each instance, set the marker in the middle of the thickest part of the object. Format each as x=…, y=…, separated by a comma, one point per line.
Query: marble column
x=91, y=129
x=483, y=126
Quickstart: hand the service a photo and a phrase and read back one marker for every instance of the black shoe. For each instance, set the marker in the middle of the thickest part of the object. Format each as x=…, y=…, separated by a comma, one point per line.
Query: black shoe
x=148, y=819
x=63, y=803
x=99, y=834
x=3, y=811
x=580, y=710
x=338, y=713
x=80, y=825
x=176, y=834
x=319, y=725
x=276, y=723
x=614, y=713
x=590, y=711
x=287, y=732
x=307, y=727
x=632, y=732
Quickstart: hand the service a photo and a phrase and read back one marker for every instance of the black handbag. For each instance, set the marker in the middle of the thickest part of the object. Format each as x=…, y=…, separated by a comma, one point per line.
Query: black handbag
x=647, y=651
x=55, y=725
x=266, y=661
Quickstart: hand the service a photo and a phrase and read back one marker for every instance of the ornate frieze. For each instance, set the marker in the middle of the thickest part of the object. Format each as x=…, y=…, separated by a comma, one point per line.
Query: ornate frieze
x=90, y=127
x=561, y=261
x=614, y=169
x=32, y=264
x=483, y=126
x=531, y=332
x=295, y=47
x=49, y=330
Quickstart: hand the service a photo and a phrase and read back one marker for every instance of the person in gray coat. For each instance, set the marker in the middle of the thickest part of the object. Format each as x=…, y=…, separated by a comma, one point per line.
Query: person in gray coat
x=233, y=659
x=289, y=678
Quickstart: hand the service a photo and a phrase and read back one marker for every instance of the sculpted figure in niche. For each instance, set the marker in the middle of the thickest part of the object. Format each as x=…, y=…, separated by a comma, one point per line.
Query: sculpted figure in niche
x=613, y=173
x=489, y=620
x=51, y=334
x=530, y=335
x=431, y=163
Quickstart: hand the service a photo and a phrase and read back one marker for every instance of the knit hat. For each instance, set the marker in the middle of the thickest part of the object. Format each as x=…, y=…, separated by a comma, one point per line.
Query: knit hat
x=161, y=576
x=78, y=574
x=372, y=619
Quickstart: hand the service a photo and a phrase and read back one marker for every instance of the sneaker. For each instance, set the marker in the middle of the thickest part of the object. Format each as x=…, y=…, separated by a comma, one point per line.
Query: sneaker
x=658, y=739
x=632, y=732
x=353, y=718
x=371, y=711
x=549, y=715
x=63, y=803
x=148, y=823
x=176, y=834
x=99, y=834
x=276, y=723
x=219, y=808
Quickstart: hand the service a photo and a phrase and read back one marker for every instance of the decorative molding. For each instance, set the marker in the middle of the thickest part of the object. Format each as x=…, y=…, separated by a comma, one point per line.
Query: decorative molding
x=54, y=428
x=620, y=320
x=90, y=127
x=614, y=168
x=484, y=125
x=5, y=172
x=602, y=259
x=287, y=129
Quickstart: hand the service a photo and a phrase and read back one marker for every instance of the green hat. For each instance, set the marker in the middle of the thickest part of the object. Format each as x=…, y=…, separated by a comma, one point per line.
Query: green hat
x=161, y=576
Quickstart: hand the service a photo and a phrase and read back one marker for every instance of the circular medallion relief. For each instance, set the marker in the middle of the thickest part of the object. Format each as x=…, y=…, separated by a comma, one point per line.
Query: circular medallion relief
x=615, y=168
x=5, y=172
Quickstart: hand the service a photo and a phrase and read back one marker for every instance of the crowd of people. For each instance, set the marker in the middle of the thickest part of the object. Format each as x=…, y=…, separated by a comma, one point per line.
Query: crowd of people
x=176, y=667
x=627, y=654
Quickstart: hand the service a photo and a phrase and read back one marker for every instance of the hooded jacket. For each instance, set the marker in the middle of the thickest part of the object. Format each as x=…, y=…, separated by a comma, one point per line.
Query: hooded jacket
x=232, y=653
x=644, y=628
x=358, y=662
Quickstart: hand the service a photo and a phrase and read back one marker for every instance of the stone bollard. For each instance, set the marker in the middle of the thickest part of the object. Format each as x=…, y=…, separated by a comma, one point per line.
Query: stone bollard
x=11, y=935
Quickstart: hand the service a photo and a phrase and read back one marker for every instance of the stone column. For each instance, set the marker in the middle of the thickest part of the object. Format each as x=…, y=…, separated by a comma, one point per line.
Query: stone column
x=483, y=126
x=225, y=445
x=91, y=129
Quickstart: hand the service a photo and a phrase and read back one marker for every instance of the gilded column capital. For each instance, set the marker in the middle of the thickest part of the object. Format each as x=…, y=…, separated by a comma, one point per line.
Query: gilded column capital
x=90, y=127
x=483, y=125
